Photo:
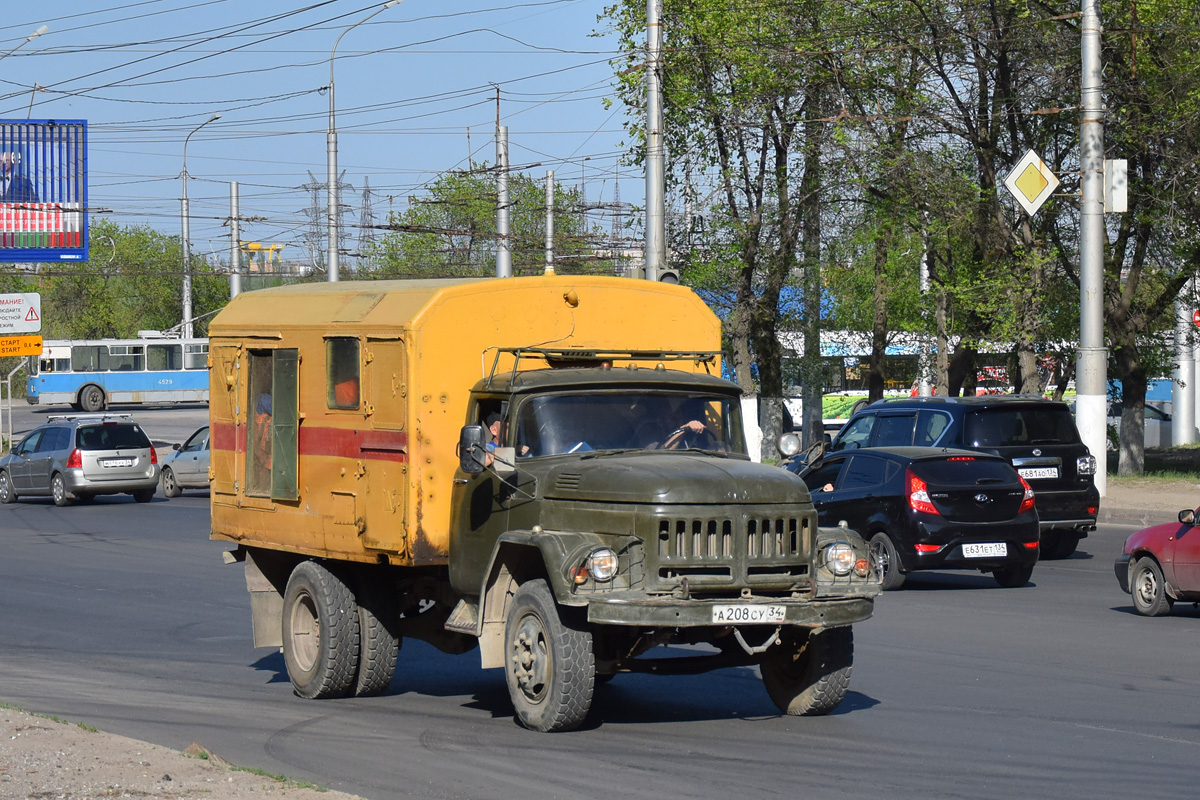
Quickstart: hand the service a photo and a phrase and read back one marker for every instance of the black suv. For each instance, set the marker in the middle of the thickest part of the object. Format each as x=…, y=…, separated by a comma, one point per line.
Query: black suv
x=1036, y=435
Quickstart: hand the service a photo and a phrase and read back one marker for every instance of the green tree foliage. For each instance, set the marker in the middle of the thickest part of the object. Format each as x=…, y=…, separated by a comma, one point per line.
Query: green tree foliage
x=133, y=280
x=451, y=231
x=741, y=109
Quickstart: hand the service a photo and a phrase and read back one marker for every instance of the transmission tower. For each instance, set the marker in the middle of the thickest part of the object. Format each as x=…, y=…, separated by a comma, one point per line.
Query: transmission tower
x=366, y=226
x=314, y=231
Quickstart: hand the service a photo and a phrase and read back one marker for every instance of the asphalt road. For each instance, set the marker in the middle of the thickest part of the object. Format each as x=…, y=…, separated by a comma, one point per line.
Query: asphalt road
x=123, y=616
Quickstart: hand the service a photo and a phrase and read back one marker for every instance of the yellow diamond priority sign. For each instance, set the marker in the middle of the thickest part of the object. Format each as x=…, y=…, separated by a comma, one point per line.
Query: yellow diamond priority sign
x=1031, y=182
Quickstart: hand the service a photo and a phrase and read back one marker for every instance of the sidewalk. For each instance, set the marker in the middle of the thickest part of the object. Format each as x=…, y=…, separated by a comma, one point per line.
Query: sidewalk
x=1147, y=501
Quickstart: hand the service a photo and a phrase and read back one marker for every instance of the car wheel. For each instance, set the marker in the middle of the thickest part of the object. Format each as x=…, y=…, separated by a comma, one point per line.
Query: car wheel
x=550, y=668
x=885, y=556
x=143, y=495
x=91, y=398
x=170, y=486
x=58, y=490
x=378, y=640
x=320, y=632
x=1013, y=577
x=7, y=493
x=1059, y=544
x=1148, y=588
x=808, y=673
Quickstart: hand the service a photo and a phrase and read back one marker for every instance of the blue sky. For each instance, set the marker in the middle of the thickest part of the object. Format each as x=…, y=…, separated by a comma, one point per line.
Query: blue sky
x=415, y=96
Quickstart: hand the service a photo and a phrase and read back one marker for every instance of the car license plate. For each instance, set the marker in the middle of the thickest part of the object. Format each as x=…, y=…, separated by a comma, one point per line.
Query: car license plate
x=986, y=550
x=118, y=462
x=1038, y=472
x=743, y=614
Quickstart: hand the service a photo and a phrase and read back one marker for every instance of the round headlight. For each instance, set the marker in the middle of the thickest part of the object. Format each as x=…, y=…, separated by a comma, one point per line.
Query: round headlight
x=602, y=564
x=788, y=444
x=840, y=558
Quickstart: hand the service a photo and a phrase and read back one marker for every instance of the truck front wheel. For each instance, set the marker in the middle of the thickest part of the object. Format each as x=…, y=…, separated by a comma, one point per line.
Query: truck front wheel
x=320, y=632
x=550, y=667
x=809, y=672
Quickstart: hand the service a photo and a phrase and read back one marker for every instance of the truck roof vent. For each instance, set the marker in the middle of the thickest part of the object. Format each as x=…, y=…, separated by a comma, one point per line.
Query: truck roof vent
x=568, y=480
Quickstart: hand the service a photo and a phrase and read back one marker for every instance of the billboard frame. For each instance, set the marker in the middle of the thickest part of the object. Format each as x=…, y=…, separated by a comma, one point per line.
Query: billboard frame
x=52, y=161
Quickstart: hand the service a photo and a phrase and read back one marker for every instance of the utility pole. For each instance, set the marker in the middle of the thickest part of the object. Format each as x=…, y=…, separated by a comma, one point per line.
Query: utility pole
x=924, y=384
x=503, y=244
x=1091, y=376
x=235, y=243
x=1183, y=387
x=549, y=222
x=656, y=215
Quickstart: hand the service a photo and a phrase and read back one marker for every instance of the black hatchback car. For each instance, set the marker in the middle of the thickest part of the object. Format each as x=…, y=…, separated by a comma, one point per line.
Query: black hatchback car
x=924, y=508
x=1037, y=436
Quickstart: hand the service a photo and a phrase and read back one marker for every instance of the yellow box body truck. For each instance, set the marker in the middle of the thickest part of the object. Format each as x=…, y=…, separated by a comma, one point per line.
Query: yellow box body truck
x=547, y=468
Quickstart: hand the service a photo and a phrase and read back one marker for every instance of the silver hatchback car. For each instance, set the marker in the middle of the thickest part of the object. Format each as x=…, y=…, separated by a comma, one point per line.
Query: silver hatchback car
x=77, y=457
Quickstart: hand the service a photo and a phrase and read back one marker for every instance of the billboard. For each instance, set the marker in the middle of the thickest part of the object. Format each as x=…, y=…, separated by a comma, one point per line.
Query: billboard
x=43, y=190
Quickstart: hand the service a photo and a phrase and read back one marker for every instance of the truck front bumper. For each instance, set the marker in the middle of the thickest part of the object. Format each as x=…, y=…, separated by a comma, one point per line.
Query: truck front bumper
x=667, y=612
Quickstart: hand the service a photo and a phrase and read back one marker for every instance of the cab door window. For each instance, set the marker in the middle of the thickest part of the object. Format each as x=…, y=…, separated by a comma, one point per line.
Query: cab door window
x=272, y=428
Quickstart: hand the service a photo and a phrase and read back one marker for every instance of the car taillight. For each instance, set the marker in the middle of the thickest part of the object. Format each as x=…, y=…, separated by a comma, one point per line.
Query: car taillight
x=1027, y=500
x=153, y=455
x=918, y=494
x=75, y=460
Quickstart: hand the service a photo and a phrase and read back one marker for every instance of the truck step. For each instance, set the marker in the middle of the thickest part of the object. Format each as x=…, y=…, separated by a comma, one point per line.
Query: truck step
x=464, y=618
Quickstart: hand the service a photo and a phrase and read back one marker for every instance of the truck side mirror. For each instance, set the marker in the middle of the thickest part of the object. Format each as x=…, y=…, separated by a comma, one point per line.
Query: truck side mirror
x=472, y=455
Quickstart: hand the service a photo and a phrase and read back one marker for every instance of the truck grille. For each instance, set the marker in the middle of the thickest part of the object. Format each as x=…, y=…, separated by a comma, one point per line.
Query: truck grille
x=750, y=549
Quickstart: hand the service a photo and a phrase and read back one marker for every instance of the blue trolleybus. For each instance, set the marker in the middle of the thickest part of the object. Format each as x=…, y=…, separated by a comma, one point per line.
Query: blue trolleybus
x=91, y=374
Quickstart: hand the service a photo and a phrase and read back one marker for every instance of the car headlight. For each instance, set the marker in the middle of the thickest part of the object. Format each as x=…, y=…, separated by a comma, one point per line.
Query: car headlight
x=788, y=444
x=840, y=558
x=1085, y=465
x=602, y=564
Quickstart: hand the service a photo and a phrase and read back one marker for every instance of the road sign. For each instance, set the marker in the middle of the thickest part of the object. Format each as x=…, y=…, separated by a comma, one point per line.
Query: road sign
x=1196, y=318
x=20, y=346
x=20, y=313
x=1031, y=182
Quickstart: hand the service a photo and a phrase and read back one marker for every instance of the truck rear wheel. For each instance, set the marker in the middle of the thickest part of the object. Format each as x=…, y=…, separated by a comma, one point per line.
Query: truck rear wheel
x=378, y=642
x=550, y=667
x=808, y=674
x=320, y=632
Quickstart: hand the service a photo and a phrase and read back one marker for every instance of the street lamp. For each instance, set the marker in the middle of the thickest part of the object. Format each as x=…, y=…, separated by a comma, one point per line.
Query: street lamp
x=331, y=154
x=185, y=224
x=41, y=29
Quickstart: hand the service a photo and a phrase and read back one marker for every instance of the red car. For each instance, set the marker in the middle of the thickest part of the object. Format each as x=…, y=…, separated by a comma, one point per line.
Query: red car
x=1160, y=565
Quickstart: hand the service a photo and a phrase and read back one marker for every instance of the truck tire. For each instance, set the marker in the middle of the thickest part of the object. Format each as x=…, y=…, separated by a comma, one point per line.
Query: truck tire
x=320, y=632
x=378, y=641
x=91, y=398
x=550, y=668
x=808, y=674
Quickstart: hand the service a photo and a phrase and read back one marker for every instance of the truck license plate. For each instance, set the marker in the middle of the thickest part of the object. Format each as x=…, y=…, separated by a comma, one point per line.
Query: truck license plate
x=987, y=550
x=1038, y=472
x=741, y=614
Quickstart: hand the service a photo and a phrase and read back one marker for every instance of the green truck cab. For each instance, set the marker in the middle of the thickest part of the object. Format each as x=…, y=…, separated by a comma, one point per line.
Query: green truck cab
x=609, y=510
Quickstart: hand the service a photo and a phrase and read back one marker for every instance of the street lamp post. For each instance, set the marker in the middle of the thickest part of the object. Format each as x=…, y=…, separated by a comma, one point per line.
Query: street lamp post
x=331, y=194
x=41, y=29
x=185, y=225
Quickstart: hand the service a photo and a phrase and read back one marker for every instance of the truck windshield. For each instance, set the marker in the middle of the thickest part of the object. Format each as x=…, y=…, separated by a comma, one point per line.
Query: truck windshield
x=574, y=423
